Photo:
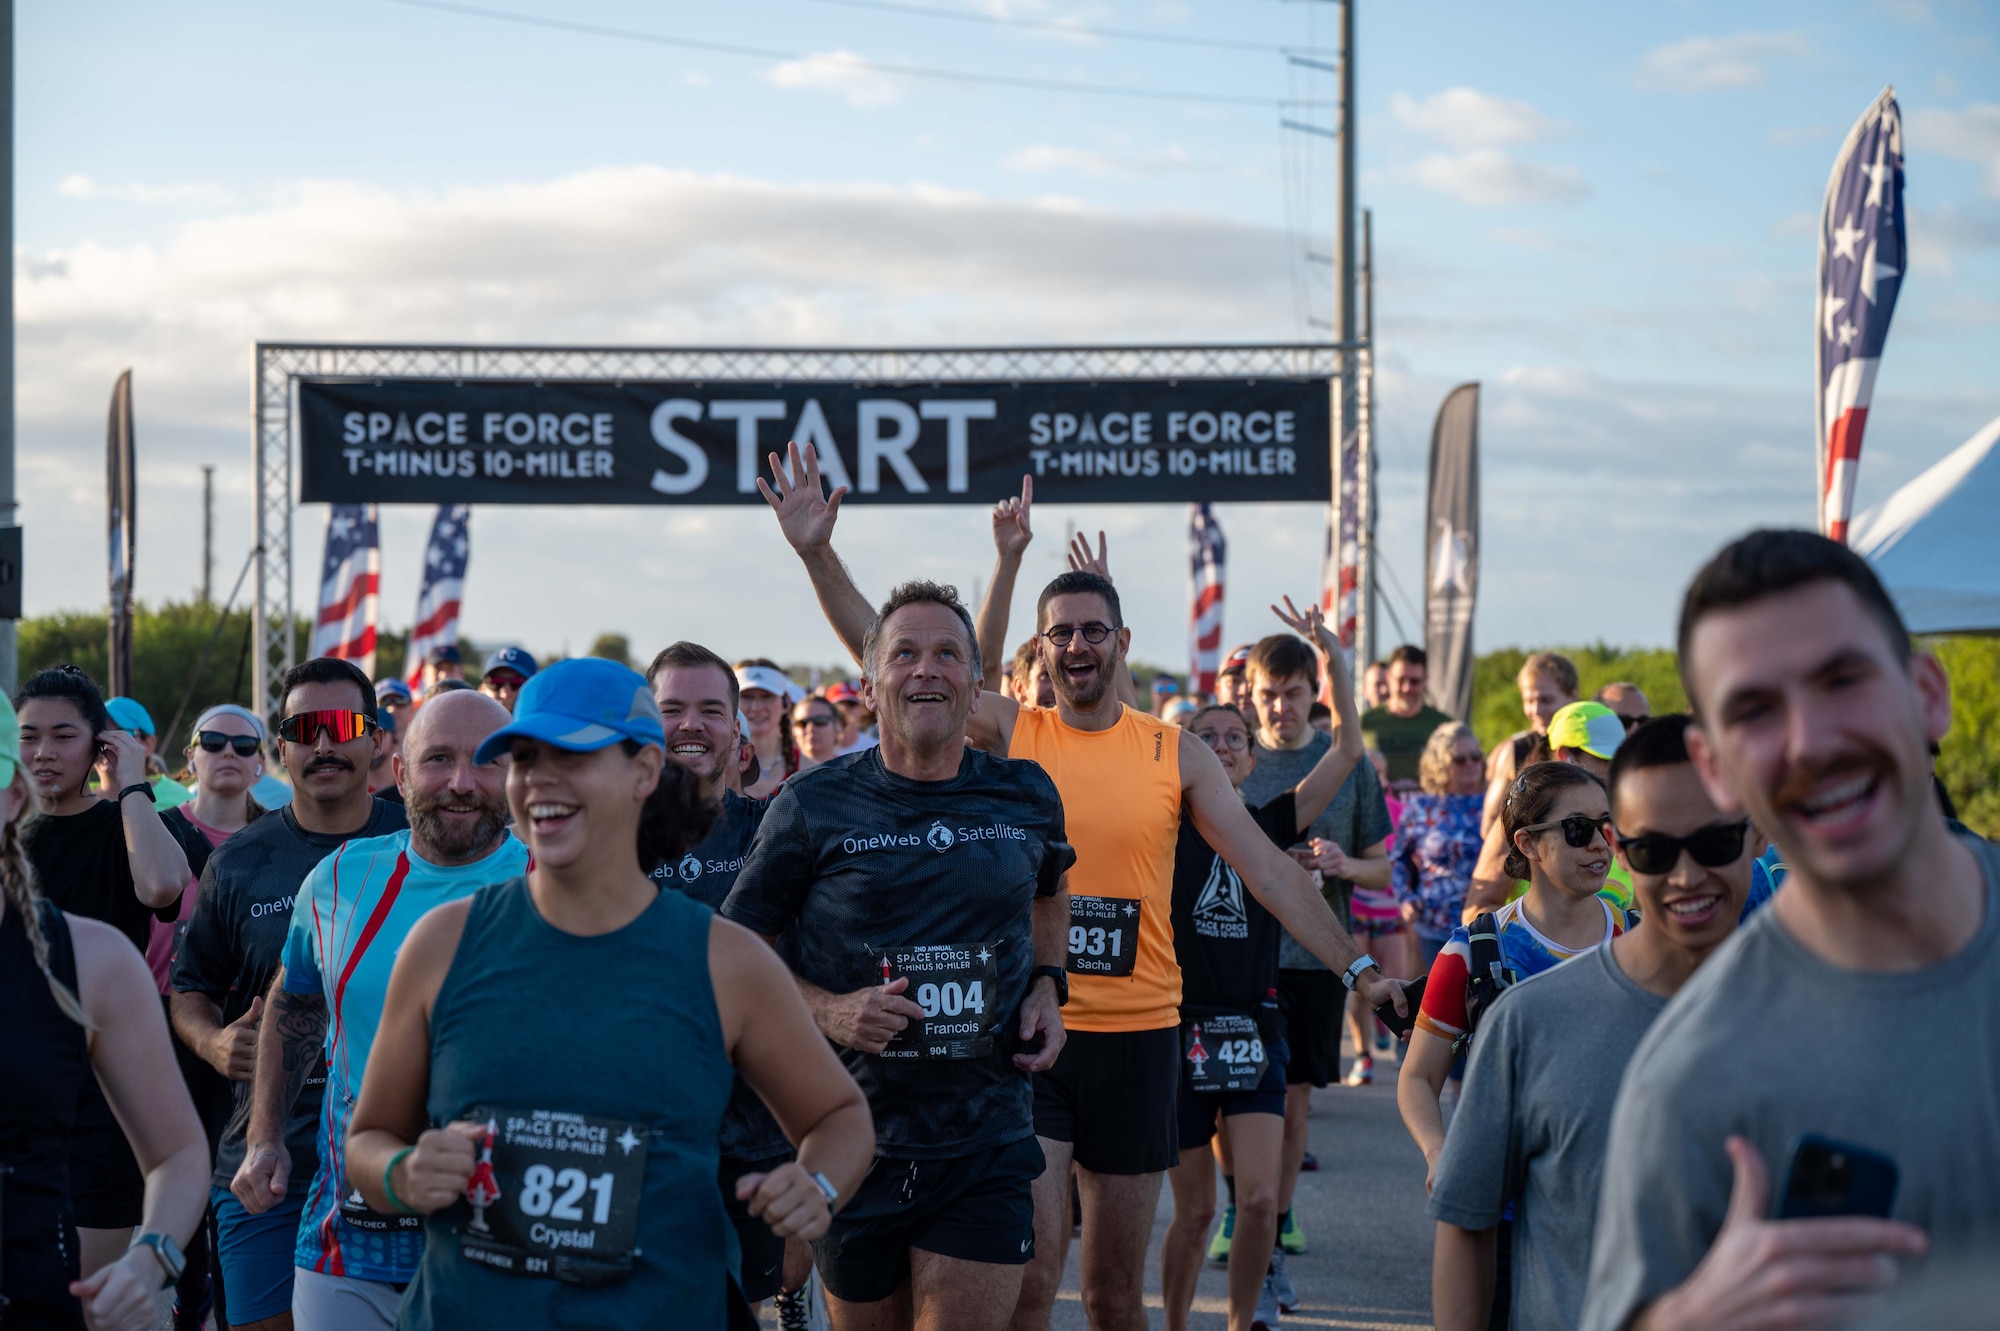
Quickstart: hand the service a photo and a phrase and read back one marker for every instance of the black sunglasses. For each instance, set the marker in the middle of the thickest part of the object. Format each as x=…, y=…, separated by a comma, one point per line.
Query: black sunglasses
x=1577, y=829
x=1632, y=723
x=214, y=741
x=1713, y=847
x=1093, y=633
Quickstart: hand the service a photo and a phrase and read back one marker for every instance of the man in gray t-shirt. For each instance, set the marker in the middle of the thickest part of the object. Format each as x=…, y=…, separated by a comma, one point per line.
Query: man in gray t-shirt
x=1862, y=1005
x=1534, y=1122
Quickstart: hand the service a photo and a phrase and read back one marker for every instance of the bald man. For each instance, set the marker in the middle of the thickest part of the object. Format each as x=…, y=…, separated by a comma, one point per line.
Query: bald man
x=1630, y=704
x=351, y=917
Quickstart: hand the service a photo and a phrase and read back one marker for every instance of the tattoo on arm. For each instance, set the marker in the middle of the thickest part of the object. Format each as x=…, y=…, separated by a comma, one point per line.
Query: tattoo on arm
x=301, y=1022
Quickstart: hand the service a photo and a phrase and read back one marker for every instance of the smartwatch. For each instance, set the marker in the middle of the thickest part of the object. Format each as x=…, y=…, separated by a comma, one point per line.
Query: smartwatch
x=825, y=1186
x=1059, y=975
x=139, y=788
x=167, y=1252
x=1364, y=962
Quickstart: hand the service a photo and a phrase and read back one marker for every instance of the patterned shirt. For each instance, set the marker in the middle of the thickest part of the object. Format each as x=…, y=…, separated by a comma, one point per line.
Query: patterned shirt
x=351, y=918
x=1437, y=845
x=1524, y=950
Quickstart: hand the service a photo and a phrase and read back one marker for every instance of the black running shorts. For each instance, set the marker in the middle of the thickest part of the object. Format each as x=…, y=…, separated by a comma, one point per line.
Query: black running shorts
x=1313, y=1004
x=976, y=1208
x=763, y=1251
x=1114, y=1096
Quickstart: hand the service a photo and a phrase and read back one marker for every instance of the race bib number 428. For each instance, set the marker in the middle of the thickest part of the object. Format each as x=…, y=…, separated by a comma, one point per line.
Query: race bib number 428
x=554, y=1194
x=954, y=983
x=1103, y=935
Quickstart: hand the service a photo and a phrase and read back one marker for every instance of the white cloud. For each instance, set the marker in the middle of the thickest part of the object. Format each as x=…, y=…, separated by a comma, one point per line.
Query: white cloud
x=83, y=187
x=1698, y=64
x=1971, y=135
x=840, y=72
x=1489, y=178
x=1468, y=118
x=1042, y=158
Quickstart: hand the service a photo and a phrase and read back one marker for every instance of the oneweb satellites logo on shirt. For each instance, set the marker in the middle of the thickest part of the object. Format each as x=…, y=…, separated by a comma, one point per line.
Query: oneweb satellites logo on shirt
x=690, y=869
x=940, y=838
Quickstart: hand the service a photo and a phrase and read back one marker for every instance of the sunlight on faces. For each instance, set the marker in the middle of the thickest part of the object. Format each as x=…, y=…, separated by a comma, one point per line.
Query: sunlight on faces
x=1694, y=905
x=1374, y=686
x=1081, y=674
x=1233, y=689
x=327, y=771
x=701, y=726
x=1811, y=725
x=765, y=711
x=1229, y=739
x=1468, y=767
x=56, y=746
x=1578, y=872
x=575, y=805
x=921, y=685
x=1283, y=707
x=1406, y=687
x=816, y=729
x=225, y=773
x=457, y=807
x=1541, y=699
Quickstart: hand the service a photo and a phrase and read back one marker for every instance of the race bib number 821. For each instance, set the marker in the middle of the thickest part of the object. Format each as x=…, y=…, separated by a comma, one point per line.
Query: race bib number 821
x=555, y=1194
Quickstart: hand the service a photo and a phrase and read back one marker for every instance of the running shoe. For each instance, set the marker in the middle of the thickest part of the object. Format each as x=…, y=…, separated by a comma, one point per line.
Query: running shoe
x=1361, y=1072
x=1381, y=1038
x=804, y=1308
x=1309, y=1163
x=1266, y=1316
x=1291, y=1238
x=1280, y=1284
x=1218, y=1247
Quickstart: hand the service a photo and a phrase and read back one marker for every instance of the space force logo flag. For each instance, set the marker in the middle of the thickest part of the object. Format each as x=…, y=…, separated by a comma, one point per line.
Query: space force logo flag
x=1861, y=265
x=1206, y=554
x=349, y=586
x=436, y=624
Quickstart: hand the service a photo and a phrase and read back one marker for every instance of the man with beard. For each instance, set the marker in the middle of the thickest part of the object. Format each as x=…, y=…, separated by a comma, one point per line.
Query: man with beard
x=234, y=945
x=351, y=918
x=697, y=694
x=922, y=888
x=1855, y=1013
x=1108, y=1105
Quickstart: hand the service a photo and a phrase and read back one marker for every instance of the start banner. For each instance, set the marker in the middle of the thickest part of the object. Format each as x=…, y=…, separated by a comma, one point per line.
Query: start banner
x=1129, y=441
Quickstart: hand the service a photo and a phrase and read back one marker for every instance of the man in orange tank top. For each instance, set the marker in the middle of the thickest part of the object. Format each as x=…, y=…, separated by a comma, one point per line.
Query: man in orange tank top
x=1109, y=1104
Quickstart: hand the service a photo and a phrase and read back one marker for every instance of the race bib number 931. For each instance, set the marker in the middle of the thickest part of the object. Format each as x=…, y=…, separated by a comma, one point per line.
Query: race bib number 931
x=1103, y=935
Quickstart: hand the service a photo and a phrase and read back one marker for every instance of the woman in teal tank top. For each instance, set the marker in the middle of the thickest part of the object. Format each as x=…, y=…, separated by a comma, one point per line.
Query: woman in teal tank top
x=549, y=1077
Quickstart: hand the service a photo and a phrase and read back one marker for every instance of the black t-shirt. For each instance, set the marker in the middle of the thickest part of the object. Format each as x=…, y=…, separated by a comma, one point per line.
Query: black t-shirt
x=81, y=865
x=1225, y=940
x=706, y=873
x=235, y=941
x=933, y=880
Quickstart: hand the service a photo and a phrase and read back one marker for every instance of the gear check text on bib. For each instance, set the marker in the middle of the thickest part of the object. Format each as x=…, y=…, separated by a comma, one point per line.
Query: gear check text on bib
x=554, y=1195
x=956, y=985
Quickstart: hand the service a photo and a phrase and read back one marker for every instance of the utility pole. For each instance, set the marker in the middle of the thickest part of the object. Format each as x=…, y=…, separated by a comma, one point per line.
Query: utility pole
x=1345, y=329
x=207, y=535
x=10, y=535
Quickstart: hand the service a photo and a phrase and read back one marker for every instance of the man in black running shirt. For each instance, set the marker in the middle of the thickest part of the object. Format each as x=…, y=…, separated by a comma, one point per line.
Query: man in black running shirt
x=926, y=884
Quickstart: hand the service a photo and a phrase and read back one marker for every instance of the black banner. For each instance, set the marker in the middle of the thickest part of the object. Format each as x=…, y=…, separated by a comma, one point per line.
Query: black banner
x=1131, y=441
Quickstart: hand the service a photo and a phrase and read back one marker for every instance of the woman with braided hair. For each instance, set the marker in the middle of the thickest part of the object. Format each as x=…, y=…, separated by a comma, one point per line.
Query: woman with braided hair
x=79, y=1004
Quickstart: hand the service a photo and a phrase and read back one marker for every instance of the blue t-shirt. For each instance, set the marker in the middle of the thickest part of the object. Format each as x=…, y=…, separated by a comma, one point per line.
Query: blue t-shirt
x=1767, y=875
x=350, y=920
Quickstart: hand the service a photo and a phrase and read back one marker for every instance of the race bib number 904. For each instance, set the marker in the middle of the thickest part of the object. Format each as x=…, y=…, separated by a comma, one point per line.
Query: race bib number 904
x=955, y=984
x=1103, y=935
x=555, y=1195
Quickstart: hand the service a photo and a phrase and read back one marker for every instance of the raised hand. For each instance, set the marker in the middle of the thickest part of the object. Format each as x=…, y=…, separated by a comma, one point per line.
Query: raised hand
x=1011, y=532
x=1309, y=624
x=806, y=513
x=1082, y=561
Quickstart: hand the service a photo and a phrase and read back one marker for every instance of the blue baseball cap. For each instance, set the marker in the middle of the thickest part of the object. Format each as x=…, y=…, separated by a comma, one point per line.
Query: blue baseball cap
x=130, y=715
x=582, y=704
x=511, y=658
x=386, y=689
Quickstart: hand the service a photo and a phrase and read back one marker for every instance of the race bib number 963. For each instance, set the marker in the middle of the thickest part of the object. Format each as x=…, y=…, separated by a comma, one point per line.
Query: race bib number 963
x=555, y=1195
x=954, y=983
x=1103, y=935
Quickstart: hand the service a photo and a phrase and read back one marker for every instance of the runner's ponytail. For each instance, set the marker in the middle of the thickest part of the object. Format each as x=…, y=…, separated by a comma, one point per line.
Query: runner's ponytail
x=18, y=880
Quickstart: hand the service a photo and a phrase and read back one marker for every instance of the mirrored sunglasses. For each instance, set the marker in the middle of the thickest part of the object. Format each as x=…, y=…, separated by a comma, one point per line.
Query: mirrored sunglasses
x=305, y=727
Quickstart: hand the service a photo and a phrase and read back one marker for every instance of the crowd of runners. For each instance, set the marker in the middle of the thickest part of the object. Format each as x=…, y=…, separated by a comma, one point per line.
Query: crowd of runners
x=573, y=997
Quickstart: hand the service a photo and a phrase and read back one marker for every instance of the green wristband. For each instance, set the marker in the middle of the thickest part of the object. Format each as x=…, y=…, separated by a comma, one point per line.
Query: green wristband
x=388, y=1181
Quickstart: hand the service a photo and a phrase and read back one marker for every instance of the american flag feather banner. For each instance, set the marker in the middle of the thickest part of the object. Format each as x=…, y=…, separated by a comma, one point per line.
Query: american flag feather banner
x=1207, y=552
x=349, y=585
x=1862, y=260
x=444, y=583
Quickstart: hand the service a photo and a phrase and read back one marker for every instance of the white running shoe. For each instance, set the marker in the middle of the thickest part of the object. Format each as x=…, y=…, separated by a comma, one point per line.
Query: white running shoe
x=1280, y=1284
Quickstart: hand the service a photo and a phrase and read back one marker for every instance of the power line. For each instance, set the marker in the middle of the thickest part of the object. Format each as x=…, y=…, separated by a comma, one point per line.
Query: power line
x=890, y=67
x=1067, y=29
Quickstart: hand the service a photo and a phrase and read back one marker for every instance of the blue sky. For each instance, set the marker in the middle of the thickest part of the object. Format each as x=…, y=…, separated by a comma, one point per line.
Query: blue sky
x=1603, y=213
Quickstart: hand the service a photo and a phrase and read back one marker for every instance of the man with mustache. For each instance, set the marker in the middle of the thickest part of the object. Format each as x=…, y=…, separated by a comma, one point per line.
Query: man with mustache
x=1860, y=1006
x=350, y=920
x=1108, y=1105
x=234, y=945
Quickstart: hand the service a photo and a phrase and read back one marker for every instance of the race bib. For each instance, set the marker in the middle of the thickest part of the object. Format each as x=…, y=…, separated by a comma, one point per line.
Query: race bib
x=359, y=1215
x=1103, y=935
x=1224, y=1052
x=554, y=1195
x=956, y=985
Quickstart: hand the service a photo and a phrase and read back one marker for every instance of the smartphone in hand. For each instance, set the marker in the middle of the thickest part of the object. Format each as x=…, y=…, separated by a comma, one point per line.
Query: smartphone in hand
x=1413, y=997
x=1829, y=1178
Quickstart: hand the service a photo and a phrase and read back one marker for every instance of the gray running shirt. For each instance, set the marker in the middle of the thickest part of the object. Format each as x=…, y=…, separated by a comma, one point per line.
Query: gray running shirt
x=1770, y=1042
x=1534, y=1123
x=1356, y=819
